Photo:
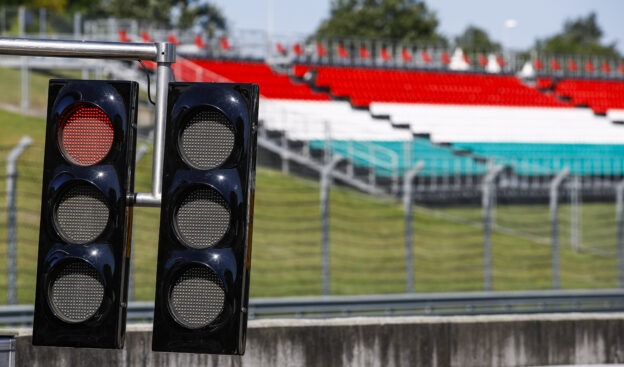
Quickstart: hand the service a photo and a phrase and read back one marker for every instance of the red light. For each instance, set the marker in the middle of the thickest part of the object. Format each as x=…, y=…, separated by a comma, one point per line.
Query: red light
x=85, y=134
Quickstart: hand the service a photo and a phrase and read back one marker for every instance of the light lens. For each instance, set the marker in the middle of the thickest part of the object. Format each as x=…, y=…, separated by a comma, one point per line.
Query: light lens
x=207, y=140
x=81, y=214
x=76, y=293
x=197, y=297
x=202, y=218
x=86, y=134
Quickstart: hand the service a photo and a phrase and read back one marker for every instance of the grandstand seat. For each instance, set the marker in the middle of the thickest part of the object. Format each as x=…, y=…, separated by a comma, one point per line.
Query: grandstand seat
x=385, y=54
x=589, y=66
x=320, y=50
x=342, y=51
x=280, y=49
x=538, y=64
x=365, y=85
x=600, y=95
x=483, y=61
x=426, y=58
x=272, y=85
x=199, y=41
x=145, y=37
x=320, y=120
x=364, y=53
x=501, y=60
x=464, y=123
x=171, y=38
x=224, y=44
x=406, y=55
x=298, y=49
x=445, y=58
x=123, y=36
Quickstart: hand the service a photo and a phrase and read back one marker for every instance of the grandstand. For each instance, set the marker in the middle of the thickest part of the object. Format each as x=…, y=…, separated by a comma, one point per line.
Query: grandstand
x=386, y=107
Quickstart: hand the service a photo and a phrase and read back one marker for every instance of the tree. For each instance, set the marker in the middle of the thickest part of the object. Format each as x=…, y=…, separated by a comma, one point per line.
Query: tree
x=175, y=13
x=581, y=35
x=407, y=20
x=476, y=39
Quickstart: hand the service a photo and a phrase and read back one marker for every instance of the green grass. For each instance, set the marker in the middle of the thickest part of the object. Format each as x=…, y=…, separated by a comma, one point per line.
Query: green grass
x=366, y=237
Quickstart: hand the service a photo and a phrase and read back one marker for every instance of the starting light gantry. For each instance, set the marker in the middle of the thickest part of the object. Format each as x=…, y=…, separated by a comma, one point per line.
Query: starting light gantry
x=202, y=178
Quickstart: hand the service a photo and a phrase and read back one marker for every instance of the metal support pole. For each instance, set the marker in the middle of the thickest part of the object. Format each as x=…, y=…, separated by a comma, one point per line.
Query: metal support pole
x=325, y=185
x=408, y=201
x=554, y=223
x=164, y=76
x=11, y=184
x=487, y=189
x=619, y=215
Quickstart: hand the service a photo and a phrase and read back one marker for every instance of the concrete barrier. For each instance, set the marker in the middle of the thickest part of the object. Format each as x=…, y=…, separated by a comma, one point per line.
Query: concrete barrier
x=519, y=340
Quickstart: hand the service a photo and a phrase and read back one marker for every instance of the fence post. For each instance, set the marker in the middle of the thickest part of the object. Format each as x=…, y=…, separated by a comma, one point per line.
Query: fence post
x=619, y=217
x=408, y=198
x=139, y=154
x=575, y=213
x=24, y=74
x=325, y=184
x=11, y=184
x=554, y=223
x=487, y=189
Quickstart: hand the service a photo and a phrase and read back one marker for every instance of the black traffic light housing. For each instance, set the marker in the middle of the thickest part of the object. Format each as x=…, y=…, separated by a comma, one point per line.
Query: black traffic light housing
x=204, y=251
x=85, y=232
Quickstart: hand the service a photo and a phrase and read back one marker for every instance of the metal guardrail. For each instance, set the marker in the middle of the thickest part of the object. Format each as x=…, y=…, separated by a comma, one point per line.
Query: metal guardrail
x=470, y=303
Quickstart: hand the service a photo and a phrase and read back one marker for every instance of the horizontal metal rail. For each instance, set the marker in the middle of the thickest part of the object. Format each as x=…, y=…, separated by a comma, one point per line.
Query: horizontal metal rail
x=471, y=303
x=82, y=49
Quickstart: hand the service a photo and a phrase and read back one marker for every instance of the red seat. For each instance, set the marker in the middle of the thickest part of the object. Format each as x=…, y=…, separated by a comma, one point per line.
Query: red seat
x=224, y=43
x=444, y=57
x=280, y=49
x=145, y=37
x=406, y=55
x=171, y=38
x=385, y=55
x=123, y=36
x=199, y=41
x=426, y=58
x=297, y=49
x=364, y=54
x=538, y=64
x=320, y=50
x=342, y=51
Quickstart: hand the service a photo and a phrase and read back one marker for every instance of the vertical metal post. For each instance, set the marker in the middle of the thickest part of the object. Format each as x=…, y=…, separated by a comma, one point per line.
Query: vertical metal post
x=11, y=183
x=24, y=80
x=77, y=26
x=619, y=217
x=554, y=223
x=285, y=156
x=408, y=201
x=324, y=197
x=575, y=213
x=42, y=22
x=487, y=189
x=25, y=85
x=165, y=57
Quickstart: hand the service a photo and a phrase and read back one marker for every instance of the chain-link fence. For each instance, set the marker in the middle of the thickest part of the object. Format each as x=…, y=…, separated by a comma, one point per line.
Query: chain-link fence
x=315, y=237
